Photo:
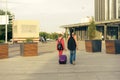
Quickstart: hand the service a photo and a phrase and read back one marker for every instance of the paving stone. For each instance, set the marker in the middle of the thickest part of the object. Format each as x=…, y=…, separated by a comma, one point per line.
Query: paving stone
x=89, y=66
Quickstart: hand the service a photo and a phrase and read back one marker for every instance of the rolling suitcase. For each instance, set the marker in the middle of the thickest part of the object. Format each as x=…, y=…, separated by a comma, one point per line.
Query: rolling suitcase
x=63, y=59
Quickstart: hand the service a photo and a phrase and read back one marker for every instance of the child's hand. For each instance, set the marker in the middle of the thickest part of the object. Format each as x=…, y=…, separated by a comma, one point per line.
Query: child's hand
x=65, y=49
x=77, y=48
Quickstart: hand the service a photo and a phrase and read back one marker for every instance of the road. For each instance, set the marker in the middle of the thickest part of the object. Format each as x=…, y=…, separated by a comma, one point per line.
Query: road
x=89, y=66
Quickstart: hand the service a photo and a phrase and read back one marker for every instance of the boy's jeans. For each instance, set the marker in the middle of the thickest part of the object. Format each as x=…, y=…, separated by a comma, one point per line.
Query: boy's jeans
x=72, y=56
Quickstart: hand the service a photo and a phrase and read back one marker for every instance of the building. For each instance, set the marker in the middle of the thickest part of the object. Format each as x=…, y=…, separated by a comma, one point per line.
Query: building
x=107, y=9
x=25, y=29
x=99, y=10
x=109, y=29
x=107, y=20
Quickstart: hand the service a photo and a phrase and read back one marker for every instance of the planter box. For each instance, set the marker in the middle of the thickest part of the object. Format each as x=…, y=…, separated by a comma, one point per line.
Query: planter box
x=3, y=51
x=112, y=46
x=93, y=45
x=29, y=49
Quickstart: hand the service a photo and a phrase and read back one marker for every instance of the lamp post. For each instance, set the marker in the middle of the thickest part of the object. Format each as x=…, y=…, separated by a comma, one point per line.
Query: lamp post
x=6, y=24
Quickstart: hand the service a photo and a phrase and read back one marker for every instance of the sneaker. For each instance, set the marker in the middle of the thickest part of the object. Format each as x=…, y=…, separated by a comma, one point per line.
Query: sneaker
x=73, y=63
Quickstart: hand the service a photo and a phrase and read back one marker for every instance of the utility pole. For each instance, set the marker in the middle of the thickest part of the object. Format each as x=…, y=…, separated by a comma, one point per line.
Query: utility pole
x=6, y=23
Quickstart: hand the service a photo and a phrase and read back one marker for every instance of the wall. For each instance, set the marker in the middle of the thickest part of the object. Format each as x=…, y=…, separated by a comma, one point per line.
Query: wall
x=24, y=29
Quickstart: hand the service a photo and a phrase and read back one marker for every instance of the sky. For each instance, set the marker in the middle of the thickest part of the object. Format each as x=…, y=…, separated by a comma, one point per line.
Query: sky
x=50, y=13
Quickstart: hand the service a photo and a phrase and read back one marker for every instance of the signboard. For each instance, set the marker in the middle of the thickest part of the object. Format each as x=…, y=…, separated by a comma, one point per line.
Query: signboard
x=3, y=19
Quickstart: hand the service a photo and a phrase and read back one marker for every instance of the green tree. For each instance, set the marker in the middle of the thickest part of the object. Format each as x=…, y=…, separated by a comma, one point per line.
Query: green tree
x=92, y=30
x=2, y=32
x=54, y=35
x=2, y=28
x=44, y=34
x=49, y=35
x=2, y=12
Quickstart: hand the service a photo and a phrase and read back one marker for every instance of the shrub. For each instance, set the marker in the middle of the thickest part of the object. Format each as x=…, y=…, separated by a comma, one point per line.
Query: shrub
x=92, y=30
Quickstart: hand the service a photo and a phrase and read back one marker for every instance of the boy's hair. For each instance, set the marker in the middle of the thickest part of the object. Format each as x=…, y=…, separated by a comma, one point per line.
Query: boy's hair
x=71, y=31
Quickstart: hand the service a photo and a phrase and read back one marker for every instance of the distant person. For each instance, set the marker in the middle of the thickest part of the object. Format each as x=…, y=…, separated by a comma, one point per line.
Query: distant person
x=44, y=39
x=102, y=37
x=60, y=44
x=72, y=46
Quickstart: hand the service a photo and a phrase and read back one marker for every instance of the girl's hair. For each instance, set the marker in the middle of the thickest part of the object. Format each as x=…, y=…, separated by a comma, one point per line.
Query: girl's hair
x=59, y=35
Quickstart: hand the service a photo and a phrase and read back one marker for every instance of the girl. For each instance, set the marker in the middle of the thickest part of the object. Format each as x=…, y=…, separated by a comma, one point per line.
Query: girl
x=61, y=40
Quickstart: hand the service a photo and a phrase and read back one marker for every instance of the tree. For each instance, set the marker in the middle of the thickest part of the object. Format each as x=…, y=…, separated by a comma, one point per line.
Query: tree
x=93, y=44
x=2, y=28
x=44, y=34
x=2, y=12
x=49, y=35
x=54, y=35
x=92, y=30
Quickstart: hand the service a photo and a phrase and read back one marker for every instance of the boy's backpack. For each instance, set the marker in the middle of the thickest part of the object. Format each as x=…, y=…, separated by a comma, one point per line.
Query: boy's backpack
x=59, y=45
x=71, y=45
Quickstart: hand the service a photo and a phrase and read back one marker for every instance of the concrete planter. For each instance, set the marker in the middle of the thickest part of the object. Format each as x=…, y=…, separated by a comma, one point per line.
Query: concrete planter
x=3, y=50
x=112, y=46
x=29, y=49
x=93, y=45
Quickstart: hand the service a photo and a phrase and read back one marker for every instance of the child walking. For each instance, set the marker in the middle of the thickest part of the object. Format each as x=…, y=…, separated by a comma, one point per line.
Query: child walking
x=72, y=46
x=60, y=44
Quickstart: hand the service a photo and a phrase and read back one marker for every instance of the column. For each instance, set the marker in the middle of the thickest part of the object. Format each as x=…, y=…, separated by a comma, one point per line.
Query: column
x=105, y=31
x=119, y=32
x=66, y=33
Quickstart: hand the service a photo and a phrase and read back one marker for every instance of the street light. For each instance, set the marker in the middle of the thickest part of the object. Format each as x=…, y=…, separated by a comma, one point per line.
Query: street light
x=6, y=24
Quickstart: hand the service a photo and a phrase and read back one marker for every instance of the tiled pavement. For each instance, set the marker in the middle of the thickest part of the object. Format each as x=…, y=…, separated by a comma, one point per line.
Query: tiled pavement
x=89, y=66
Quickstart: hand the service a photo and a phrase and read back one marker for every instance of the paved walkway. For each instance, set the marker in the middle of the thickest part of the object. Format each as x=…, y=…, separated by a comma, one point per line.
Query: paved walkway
x=89, y=66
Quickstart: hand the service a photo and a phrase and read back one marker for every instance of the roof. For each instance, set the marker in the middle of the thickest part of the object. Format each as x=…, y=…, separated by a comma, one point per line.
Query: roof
x=116, y=21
